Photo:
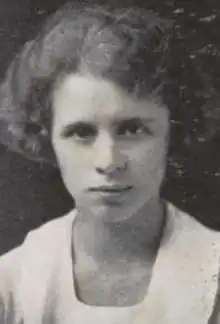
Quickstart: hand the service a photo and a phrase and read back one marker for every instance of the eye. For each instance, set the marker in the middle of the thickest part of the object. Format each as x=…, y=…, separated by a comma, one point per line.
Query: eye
x=84, y=132
x=80, y=131
x=133, y=128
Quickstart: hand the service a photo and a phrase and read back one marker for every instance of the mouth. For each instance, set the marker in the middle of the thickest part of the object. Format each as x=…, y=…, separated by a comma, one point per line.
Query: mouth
x=111, y=195
x=110, y=189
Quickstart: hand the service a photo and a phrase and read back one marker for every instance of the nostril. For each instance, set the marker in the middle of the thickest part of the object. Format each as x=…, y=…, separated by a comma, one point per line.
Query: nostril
x=111, y=169
x=100, y=170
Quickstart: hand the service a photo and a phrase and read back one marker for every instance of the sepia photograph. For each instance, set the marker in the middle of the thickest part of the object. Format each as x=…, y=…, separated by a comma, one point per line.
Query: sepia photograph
x=110, y=162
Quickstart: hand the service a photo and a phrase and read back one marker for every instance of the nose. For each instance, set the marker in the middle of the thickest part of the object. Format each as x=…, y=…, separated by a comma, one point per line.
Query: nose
x=109, y=158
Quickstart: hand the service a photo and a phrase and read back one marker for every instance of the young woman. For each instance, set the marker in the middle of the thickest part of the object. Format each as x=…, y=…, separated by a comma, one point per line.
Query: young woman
x=88, y=95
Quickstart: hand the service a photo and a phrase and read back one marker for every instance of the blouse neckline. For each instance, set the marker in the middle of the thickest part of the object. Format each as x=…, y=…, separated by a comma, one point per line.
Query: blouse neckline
x=134, y=307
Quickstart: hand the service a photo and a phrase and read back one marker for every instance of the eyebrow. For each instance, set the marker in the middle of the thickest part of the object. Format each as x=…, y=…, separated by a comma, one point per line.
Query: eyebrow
x=69, y=129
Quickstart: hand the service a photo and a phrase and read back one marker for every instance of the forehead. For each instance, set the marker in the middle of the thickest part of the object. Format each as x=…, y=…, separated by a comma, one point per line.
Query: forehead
x=78, y=97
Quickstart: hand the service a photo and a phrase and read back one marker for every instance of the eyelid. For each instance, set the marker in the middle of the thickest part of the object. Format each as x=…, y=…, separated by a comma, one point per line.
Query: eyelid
x=137, y=122
x=70, y=130
x=147, y=129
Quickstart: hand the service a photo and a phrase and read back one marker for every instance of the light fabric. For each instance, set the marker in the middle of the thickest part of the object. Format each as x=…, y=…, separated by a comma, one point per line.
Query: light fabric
x=37, y=285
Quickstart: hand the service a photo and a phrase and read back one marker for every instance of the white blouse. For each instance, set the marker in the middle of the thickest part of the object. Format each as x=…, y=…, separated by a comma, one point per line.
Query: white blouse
x=37, y=284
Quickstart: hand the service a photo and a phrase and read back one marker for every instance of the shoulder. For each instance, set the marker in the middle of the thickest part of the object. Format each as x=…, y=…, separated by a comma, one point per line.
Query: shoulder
x=183, y=225
x=188, y=240
x=43, y=245
x=9, y=268
x=9, y=276
x=39, y=243
x=27, y=268
x=56, y=228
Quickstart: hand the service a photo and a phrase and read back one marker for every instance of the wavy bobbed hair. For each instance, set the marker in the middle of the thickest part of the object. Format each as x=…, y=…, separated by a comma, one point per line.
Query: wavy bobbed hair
x=129, y=47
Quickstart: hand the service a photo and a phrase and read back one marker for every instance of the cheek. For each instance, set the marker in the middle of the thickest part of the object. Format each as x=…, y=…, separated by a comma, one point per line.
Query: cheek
x=74, y=162
x=70, y=155
x=149, y=160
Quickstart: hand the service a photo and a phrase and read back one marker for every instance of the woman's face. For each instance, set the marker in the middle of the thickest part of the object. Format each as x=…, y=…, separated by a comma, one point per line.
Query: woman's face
x=111, y=148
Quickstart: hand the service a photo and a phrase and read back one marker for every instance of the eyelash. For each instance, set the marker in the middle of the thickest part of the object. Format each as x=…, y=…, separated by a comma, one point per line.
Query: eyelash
x=75, y=133
x=138, y=129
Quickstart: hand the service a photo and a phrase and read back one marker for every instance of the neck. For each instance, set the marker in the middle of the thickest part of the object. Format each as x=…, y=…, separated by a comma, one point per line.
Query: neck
x=131, y=239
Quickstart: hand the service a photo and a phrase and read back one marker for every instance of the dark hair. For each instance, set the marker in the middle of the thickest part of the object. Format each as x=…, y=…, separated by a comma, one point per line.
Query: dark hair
x=126, y=46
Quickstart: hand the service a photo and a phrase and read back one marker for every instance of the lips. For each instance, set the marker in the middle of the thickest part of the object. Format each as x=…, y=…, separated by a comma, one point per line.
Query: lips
x=111, y=189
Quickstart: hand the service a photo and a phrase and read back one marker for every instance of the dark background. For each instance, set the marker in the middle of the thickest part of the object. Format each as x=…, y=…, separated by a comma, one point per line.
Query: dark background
x=31, y=193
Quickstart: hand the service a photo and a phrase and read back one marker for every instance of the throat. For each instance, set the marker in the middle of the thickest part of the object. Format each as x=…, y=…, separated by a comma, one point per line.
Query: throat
x=134, y=240
x=111, y=287
x=113, y=262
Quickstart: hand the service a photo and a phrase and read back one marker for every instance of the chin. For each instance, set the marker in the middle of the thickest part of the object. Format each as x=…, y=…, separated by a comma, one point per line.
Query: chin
x=112, y=212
